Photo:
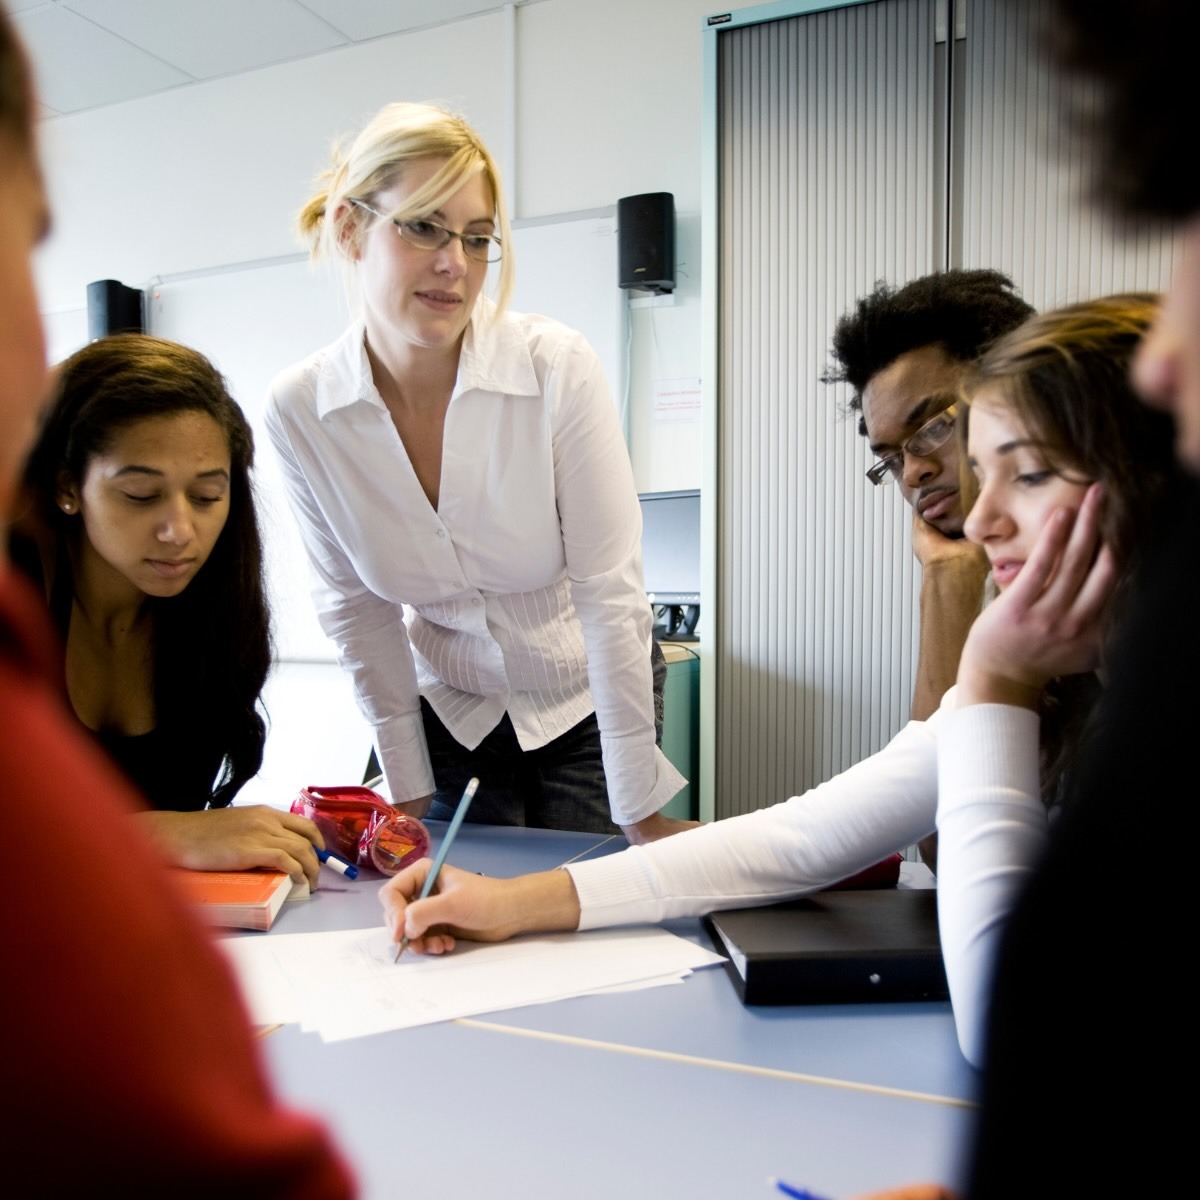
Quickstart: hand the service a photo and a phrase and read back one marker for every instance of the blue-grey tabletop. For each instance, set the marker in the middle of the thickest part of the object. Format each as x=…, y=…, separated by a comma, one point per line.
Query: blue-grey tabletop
x=672, y=1091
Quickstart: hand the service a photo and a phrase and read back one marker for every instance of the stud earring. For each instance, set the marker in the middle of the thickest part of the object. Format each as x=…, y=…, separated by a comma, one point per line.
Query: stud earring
x=68, y=506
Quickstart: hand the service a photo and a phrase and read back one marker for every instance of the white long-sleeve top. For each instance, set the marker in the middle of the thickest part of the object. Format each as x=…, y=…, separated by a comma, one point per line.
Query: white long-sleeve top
x=521, y=593
x=972, y=774
x=992, y=827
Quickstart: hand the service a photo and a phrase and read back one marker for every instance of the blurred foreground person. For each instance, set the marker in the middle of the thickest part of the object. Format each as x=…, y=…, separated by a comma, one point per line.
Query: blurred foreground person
x=131, y=1068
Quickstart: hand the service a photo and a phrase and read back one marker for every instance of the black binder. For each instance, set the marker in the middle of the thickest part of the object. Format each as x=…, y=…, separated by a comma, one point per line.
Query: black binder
x=836, y=947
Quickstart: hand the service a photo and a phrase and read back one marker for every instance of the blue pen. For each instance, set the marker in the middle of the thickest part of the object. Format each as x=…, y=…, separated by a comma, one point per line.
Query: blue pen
x=796, y=1193
x=451, y=833
x=338, y=864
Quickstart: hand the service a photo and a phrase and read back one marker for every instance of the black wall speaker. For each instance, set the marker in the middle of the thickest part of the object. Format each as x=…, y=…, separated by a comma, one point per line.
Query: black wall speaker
x=646, y=241
x=113, y=308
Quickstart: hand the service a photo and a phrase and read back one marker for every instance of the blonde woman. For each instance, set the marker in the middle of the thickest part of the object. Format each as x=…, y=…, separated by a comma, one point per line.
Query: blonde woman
x=464, y=493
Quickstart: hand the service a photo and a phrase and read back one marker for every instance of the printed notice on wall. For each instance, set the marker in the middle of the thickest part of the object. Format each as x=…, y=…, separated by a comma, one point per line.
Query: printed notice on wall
x=676, y=401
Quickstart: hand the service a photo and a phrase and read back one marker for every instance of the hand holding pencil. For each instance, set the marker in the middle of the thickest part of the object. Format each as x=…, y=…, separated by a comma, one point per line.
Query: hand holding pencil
x=472, y=906
x=447, y=841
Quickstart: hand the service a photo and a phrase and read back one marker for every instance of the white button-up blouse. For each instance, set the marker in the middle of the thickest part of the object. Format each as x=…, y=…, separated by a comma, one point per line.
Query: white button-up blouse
x=522, y=593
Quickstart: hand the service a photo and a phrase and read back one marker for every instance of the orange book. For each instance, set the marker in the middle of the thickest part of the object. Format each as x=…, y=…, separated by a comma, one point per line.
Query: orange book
x=239, y=899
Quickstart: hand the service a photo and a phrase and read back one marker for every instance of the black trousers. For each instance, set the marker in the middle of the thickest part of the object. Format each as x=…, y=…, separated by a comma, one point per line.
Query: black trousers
x=560, y=785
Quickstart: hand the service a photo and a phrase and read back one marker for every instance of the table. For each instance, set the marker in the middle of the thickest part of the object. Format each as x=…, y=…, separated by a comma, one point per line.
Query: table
x=676, y=1091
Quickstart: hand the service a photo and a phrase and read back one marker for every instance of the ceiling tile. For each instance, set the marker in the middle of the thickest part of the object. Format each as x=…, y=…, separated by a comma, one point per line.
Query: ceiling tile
x=89, y=53
x=207, y=38
x=362, y=19
x=79, y=65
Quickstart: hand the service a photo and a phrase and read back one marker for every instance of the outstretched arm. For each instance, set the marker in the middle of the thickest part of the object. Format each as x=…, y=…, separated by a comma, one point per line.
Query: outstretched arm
x=775, y=853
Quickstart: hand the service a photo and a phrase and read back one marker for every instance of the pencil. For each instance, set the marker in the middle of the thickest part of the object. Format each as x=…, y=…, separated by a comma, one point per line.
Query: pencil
x=451, y=833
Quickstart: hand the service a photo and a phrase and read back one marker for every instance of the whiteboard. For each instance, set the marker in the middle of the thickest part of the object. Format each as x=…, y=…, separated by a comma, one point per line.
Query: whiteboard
x=254, y=319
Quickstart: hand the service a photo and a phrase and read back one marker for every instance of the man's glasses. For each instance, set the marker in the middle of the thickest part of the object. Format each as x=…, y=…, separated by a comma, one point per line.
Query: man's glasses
x=429, y=235
x=934, y=433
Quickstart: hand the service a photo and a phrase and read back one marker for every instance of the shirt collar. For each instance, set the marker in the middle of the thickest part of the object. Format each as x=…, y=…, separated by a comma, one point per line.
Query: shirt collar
x=495, y=357
x=345, y=375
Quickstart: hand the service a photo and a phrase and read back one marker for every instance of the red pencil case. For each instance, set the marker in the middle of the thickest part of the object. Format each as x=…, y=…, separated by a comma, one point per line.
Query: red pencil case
x=360, y=826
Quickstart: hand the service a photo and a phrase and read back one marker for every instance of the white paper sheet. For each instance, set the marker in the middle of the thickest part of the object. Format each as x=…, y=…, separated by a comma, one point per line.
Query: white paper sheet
x=346, y=985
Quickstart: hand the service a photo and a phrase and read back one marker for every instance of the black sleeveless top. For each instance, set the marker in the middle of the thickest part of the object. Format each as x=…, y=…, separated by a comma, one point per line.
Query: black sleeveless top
x=167, y=765
x=164, y=765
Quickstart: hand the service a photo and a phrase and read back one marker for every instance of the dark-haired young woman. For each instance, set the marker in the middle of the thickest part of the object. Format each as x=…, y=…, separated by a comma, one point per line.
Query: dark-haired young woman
x=139, y=525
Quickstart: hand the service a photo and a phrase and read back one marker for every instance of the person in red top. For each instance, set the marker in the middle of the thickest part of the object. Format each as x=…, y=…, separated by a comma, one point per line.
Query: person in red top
x=129, y=1064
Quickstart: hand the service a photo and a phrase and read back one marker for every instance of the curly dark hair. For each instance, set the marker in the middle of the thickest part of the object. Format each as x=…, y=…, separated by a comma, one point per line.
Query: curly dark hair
x=212, y=642
x=961, y=311
x=1143, y=121
x=1066, y=375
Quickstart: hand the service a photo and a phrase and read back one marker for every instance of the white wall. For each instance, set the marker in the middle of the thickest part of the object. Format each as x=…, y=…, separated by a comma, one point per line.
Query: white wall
x=607, y=102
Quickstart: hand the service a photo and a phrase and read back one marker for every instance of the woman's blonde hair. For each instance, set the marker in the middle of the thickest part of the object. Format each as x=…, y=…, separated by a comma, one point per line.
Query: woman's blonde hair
x=398, y=135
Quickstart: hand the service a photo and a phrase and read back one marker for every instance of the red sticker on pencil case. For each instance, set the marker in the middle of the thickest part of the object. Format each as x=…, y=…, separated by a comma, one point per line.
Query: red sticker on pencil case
x=360, y=826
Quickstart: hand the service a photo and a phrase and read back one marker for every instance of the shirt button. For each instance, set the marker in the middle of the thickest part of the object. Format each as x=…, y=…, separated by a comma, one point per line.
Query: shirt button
x=476, y=601
x=441, y=533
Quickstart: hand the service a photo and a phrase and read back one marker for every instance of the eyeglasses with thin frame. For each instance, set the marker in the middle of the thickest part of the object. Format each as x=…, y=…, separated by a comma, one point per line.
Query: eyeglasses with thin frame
x=429, y=235
x=934, y=433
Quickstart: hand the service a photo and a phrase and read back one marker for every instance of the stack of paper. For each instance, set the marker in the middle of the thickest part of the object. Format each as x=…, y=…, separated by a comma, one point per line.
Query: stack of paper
x=346, y=984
